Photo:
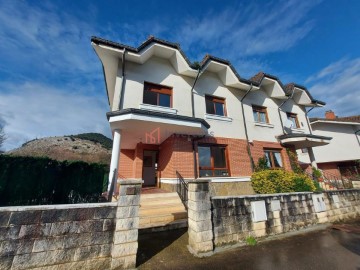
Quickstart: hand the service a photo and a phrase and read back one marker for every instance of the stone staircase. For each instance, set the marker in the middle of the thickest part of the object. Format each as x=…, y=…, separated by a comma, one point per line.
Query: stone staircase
x=161, y=211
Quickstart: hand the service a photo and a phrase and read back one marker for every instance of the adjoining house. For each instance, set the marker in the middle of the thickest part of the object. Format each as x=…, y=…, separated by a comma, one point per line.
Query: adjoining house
x=341, y=157
x=173, y=119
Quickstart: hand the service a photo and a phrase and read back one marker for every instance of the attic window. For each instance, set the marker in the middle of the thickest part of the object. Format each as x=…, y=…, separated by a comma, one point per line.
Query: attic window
x=156, y=94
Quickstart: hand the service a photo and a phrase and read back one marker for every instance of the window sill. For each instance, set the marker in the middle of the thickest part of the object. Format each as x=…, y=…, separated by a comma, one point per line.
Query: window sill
x=157, y=108
x=298, y=130
x=264, y=124
x=218, y=117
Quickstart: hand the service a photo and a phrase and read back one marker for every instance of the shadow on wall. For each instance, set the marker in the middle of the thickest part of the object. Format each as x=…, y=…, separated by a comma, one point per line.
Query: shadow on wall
x=151, y=244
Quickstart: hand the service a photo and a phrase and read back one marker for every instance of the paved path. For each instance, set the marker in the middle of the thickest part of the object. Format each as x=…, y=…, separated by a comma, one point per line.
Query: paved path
x=327, y=249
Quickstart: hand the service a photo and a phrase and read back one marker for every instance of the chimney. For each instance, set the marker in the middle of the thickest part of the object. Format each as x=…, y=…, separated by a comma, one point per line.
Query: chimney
x=330, y=115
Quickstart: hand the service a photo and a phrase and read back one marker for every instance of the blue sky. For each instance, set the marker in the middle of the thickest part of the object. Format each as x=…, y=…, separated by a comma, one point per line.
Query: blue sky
x=51, y=81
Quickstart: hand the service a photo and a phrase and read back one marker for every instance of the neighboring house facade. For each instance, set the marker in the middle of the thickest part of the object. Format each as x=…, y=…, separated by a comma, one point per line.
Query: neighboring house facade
x=341, y=157
x=171, y=118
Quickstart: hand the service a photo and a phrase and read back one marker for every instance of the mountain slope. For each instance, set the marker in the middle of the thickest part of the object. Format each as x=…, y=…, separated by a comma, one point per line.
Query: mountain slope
x=88, y=147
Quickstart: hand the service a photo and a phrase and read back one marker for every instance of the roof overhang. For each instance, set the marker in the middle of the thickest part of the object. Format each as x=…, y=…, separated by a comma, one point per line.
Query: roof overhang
x=299, y=141
x=273, y=88
x=151, y=127
x=335, y=122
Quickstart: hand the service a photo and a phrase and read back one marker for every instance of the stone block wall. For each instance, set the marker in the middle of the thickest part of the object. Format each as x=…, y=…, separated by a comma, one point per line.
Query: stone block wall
x=232, y=219
x=80, y=236
x=73, y=237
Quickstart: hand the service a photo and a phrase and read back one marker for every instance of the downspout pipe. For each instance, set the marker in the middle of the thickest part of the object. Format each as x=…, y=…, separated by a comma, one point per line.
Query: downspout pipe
x=245, y=128
x=356, y=133
x=192, y=93
x=279, y=109
x=121, y=102
x=307, y=118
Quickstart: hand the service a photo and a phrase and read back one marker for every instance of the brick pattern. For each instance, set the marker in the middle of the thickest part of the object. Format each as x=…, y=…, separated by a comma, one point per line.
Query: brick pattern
x=76, y=238
x=176, y=154
x=257, y=151
x=126, y=163
x=330, y=169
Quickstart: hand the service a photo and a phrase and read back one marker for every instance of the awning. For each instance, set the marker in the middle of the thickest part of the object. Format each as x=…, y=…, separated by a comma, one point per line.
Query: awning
x=300, y=141
x=151, y=127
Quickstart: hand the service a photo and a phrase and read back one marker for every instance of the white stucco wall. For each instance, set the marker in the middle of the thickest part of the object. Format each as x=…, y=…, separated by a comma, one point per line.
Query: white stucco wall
x=161, y=71
x=344, y=145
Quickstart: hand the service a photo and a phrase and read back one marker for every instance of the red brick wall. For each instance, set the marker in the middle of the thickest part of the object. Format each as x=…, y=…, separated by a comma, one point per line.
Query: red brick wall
x=126, y=161
x=330, y=168
x=257, y=151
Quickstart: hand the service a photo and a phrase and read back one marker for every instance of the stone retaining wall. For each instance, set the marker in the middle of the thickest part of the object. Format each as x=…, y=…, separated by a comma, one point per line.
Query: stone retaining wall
x=81, y=236
x=228, y=220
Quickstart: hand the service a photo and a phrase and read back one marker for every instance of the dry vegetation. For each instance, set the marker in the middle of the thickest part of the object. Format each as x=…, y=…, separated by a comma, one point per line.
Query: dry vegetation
x=65, y=148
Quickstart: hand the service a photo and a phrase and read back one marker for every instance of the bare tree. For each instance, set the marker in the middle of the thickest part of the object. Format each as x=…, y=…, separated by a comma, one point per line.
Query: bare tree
x=2, y=137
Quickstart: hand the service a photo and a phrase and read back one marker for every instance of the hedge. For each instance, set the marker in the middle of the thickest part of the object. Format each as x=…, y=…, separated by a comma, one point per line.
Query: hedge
x=34, y=180
x=280, y=181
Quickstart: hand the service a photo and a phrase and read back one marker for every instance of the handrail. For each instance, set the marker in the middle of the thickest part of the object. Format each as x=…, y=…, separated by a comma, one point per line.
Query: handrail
x=182, y=189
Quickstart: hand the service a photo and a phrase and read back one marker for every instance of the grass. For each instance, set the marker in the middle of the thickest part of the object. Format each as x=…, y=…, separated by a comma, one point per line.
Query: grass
x=251, y=241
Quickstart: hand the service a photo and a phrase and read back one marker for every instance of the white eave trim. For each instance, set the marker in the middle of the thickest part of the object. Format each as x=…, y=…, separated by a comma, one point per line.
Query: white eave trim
x=336, y=122
x=155, y=119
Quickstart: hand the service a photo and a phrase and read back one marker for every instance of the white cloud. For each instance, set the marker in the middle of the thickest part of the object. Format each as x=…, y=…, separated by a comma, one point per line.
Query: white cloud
x=338, y=85
x=32, y=110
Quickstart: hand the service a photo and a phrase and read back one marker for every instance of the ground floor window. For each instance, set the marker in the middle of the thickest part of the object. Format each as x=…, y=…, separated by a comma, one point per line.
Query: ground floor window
x=273, y=158
x=212, y=161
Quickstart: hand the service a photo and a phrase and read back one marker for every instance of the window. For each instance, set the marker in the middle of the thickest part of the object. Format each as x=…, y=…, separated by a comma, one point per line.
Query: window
x=212, y=161
x=260, y=114
x=155, y=94
x=273, y=158
x=215, y=105
x=292, y=117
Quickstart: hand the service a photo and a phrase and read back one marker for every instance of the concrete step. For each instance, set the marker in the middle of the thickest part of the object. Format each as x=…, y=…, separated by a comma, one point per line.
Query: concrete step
x=161, y=209
x=177, y=224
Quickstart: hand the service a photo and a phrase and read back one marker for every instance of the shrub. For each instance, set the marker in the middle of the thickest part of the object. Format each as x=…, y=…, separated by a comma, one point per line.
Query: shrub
x=279, y=181
x=251, y=241
x=262, y=164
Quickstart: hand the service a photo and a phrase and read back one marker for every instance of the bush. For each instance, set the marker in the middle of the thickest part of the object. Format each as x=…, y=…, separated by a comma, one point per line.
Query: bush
x=280, y=181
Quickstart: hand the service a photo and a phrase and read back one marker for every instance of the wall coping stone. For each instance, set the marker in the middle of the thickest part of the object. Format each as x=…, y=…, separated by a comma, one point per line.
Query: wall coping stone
x=56, y=207
x=342, y=190
x=131, y=182
x=263, y=195
x=199, y=181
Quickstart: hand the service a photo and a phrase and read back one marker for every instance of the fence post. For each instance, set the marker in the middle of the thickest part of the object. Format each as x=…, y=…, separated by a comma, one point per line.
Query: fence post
x=199, y=218
x=125, y=242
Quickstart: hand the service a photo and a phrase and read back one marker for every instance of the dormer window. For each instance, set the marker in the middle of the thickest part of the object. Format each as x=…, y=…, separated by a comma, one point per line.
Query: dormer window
x=158, y=95
x=292, y=117
x=215, y=105
x=260, y=114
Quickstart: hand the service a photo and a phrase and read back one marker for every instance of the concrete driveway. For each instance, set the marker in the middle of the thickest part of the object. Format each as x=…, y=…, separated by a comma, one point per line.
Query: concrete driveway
x=324, y=249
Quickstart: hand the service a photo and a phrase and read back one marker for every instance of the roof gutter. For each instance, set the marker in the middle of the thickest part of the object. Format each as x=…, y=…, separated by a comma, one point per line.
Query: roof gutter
x=245, y=127
x=123, y=81
x=282, y=104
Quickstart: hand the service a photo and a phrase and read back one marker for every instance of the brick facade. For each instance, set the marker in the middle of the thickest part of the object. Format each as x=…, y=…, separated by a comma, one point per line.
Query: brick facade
x=176, y=154
x=330, y=168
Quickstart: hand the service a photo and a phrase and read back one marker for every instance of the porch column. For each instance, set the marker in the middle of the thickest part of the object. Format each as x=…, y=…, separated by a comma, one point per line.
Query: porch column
x=312, y=157
x=115, y=154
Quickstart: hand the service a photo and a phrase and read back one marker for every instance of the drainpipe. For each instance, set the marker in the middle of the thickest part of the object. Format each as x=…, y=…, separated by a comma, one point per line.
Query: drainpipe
x=279, y=109
x=246, y=131
x=121, y=103
x=192, y=93
x=307, y=118
x=356, y=132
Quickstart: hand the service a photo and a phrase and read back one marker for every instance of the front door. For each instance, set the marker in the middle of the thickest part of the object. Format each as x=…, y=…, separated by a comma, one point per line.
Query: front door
x=149, y=170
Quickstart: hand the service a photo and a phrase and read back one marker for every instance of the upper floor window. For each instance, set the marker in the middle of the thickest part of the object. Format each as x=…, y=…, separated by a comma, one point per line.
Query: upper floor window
x=260, y=114
x=292, y=117
x=156, y=94
x=273, y=158
x=215, y=105
x=212, y=161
